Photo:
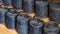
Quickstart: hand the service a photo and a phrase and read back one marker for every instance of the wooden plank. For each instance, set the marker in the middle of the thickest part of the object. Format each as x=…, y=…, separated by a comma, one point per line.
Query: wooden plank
x=4, y=30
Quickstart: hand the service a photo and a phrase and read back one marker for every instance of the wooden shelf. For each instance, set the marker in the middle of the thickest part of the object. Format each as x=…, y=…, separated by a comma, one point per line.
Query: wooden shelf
x=4, y=30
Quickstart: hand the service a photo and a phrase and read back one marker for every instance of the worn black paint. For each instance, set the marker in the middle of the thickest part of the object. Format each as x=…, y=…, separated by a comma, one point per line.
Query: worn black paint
x=51, y=28
x=41, y=0
x=36, y=26
x=41, y=9
x=22, y=24
x=17, y=4
x=8, y=2
x=28, y=6
x=1, y=1
x=54, y=12
x=10, y=20
x=2, y=15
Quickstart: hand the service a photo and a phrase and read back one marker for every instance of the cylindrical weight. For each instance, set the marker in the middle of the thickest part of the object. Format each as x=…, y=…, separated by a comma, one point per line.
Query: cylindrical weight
x=10, y=20
x=41, y=9
x=8, y=2
x=51, y=28
x=17, y=4
x=54, y=12
x=1, y=1
x=22, y=24
x=28, y=6
x=2, y=15
x=36, y=26
x=41, y=0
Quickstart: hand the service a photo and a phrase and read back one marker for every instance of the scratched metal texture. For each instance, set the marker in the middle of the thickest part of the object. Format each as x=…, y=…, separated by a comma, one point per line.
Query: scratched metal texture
x=54, y=12
x=41, y=9
x=36, y=26
x=10, y=20
x=2, y=15
x=22, y=24
x=50, y=28
x=28, y=6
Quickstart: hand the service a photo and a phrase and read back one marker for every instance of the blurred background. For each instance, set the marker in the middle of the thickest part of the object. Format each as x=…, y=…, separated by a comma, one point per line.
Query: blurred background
x=4, y=30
